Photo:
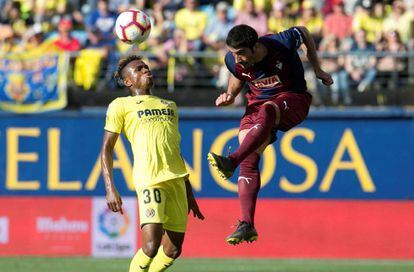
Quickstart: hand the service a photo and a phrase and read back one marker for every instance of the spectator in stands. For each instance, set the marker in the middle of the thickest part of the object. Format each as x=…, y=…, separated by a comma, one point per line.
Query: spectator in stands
x=338, y=23
x=334, y=65
x=7, y=34
x=15, y=19
x=280, y=18
x=34, y=42
x=328, y=6
x=100, y=26
x=178, y=43
x=370, y=19
x=398, y=20
x=99, y=49
x=409, y=23
x=250, y=16
x=193, y=22
x=390, y=66
x=68, y=12
x=215, y=39
x=155, y=43
x=118, y=5
x=5, y=12
x=312, y=20
x=65, y=41
x=360, y=64
x=218, y=27
x=262, y=6
x=169, y=9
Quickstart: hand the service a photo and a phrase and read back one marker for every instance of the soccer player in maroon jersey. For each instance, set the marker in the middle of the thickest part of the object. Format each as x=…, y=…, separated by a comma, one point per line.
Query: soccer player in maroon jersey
x=277, y=99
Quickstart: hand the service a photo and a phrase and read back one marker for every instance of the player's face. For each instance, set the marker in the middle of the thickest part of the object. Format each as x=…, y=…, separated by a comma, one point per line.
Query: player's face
x=243, y=56
x=139, y=75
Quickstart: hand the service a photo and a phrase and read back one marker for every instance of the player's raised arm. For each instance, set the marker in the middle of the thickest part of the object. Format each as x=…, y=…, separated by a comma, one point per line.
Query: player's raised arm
x=313, y=57
x=113, y=199
x=227, y=98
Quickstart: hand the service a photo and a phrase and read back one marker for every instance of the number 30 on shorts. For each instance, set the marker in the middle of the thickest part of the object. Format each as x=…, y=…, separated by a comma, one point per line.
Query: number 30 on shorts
x=150, y=195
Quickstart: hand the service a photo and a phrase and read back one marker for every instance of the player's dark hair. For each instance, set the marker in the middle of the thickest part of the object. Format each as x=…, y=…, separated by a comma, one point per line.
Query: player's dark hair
x=118, y=76
x=242, y=36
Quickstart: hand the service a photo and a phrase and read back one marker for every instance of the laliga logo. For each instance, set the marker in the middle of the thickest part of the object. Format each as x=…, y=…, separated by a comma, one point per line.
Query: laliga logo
x=113, y=224
x=150, y=212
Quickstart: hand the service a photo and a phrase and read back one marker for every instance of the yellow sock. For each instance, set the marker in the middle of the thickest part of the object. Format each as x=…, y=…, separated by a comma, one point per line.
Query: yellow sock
x=161, y=262
x=140, y=263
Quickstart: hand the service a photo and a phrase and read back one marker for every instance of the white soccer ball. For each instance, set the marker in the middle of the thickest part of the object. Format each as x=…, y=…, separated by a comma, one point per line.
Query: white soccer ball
x=133, y=26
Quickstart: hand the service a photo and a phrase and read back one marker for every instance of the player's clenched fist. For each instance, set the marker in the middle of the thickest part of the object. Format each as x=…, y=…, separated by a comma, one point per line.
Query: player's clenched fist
x=224, y=99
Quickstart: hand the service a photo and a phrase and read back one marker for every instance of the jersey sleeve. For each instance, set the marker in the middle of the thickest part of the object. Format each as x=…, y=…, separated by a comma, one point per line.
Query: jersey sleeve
x=291, y=38
x=115, y=117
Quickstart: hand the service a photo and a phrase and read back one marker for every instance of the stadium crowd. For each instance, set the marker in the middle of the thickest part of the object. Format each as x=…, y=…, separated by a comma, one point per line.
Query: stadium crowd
x=85, y=28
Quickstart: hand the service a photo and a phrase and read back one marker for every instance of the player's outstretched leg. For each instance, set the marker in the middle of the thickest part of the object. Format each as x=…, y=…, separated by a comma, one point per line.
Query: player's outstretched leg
x=222, y=165
x=249, y=186
x=255, y=138
x=245, y=232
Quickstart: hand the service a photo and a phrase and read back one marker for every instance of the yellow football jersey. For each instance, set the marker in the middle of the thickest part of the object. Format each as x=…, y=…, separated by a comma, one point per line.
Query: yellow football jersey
x=151, y=126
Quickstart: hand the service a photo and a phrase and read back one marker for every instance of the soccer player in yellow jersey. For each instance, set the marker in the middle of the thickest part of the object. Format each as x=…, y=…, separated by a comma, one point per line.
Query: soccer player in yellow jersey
x=165, y=195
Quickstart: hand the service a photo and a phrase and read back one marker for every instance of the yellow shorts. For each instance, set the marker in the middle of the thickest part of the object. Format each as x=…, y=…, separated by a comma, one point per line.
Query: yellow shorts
x=165, y=203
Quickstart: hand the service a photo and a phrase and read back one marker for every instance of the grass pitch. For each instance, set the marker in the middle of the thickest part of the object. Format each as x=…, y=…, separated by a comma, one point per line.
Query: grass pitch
x=29, y=264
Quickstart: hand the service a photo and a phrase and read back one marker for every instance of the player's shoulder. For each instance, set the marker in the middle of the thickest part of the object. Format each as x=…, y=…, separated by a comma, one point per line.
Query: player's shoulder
x=119, y=101
x=116, y=106
x=230, y=62
x=289, y=38
x=169, y=103
x=229, y=58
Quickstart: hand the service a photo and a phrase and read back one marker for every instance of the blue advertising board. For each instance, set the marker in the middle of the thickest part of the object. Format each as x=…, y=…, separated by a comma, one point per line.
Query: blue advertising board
x=345, y=156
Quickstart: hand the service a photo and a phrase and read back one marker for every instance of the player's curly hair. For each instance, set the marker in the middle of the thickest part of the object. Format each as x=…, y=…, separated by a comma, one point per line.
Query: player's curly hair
x=242, y=36
x=118, y=76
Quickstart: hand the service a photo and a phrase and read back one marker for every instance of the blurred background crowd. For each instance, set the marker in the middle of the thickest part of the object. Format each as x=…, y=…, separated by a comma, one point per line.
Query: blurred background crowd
x=367, y=45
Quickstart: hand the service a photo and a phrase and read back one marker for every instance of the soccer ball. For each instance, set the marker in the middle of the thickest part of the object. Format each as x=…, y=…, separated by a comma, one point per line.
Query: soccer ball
x=133, y=26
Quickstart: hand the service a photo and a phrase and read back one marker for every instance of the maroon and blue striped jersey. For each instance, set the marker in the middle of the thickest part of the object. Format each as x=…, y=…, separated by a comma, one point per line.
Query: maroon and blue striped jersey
x=280, y=70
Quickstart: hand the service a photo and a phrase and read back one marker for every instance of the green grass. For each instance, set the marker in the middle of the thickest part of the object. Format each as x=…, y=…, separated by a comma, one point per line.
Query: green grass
x=26, y=264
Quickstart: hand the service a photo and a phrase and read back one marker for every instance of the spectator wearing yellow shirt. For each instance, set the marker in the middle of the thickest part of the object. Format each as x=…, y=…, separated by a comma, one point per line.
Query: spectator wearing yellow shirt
x=8, y=41
x=261, y=5
x=398, y=20
x=14, y=18
x=370, y=19
x=192, y=21
x=279, y=19
x=311, y=19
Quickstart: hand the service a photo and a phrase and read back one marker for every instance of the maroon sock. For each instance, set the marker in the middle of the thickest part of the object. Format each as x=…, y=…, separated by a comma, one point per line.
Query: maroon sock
x=257, y=135
x=249, y=185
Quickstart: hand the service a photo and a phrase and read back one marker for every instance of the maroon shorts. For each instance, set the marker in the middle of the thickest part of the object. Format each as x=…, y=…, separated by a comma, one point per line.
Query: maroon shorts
x=294, y=108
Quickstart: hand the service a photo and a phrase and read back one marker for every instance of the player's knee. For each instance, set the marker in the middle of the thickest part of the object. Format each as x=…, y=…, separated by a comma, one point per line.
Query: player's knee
x=150, y=248
x=250, y=163
x=269, y=114
x=172, y=251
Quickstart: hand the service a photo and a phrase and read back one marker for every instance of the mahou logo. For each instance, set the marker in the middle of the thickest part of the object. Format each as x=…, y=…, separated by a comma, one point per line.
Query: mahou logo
x=48, y=224
x=267, y=82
